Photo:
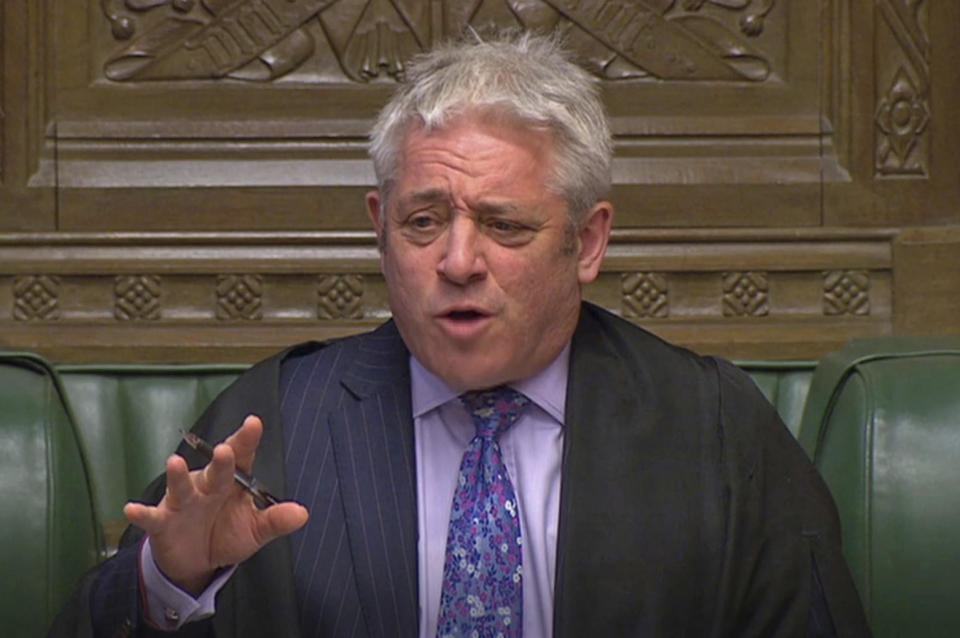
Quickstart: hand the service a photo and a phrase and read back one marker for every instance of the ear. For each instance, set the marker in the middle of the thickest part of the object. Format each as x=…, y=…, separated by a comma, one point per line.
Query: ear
x=377, y=216
x=594, y=235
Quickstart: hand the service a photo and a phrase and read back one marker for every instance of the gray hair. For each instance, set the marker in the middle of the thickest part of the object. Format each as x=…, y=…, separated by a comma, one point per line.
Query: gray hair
x=520, y=75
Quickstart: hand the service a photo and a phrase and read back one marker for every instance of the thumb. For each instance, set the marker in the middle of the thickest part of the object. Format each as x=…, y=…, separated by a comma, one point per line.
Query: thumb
x=279, y=520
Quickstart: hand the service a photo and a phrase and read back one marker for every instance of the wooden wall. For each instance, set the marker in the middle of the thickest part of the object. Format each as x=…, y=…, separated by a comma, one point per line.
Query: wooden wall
x=182, y=180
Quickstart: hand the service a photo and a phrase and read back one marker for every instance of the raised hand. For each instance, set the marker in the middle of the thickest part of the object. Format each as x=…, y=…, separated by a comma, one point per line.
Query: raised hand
x=205, y=520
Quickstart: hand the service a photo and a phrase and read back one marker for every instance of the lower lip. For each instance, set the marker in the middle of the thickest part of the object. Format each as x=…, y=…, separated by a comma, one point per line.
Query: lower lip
x=464, y=329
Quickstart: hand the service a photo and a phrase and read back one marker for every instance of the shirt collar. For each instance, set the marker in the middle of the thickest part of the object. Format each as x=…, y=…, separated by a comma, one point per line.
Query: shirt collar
x=547, y=388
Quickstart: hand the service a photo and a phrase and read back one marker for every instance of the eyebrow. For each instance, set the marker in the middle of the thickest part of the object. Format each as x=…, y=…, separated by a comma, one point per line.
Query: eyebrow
x=439, y=195
x=429, y=196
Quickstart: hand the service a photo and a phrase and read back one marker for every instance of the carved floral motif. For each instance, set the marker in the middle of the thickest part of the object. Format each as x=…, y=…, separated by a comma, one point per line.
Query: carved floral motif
x=266, y=39
x=846, y=292
x=340, y=297
x=240, y=297
x=136, y=297
x=745, y=294
x=903, y=85
x=645, y=295
x=36, y=297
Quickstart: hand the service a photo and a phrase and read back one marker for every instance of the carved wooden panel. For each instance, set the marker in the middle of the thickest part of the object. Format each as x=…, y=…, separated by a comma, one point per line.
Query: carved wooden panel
x=183, y=179
x=26, y=171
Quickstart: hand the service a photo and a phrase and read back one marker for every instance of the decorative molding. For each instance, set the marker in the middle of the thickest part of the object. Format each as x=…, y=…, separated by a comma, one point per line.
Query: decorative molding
x=340, y=297
x=645, y=294
x=745, y=294
x=36, y=297
x=693, y=286
x=137, y=297
x=239, y=297
x=846, y=292
x=903, y=90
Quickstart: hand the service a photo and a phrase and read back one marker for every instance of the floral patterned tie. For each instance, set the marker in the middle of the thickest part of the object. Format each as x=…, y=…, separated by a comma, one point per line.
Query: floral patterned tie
x=482, y=593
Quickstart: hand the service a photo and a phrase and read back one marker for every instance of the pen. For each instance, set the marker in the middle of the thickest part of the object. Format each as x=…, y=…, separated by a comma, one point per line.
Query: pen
x=261, y=497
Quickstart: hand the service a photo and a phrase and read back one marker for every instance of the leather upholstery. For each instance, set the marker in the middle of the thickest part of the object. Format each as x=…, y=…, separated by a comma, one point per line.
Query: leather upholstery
x=130, y=418
x=882, y=424
x=785, y=384
x=48, y=535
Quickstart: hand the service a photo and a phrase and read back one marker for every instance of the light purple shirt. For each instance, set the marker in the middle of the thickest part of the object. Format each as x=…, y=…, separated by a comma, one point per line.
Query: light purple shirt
x=532, y=450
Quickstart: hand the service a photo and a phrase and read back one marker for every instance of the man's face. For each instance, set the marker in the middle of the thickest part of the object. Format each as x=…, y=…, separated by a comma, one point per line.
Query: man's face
x=482, y=265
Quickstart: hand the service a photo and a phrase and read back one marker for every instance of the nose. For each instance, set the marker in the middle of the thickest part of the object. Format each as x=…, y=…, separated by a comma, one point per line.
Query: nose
x=462, y=261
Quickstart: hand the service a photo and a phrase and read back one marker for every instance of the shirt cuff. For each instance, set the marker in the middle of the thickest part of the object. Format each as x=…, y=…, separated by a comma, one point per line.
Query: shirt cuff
x=167, y=606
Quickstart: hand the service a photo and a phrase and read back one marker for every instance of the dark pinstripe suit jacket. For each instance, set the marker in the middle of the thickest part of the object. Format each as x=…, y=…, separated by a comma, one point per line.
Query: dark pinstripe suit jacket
x=687, y=509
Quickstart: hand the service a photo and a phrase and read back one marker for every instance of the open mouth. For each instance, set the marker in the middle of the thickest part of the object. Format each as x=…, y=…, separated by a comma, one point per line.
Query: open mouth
x=465, y=315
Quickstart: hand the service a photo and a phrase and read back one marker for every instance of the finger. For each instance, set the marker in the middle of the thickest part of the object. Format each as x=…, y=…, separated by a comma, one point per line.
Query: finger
x=245, y=441
x=180, y=488
x=217, y=476
x=278, y=520
x=146, y=517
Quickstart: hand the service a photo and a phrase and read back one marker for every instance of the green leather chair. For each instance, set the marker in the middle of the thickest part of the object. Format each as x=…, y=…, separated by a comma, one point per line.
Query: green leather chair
x=131, y=419
x=49, y=535
x=785, y=384
x=882, y=424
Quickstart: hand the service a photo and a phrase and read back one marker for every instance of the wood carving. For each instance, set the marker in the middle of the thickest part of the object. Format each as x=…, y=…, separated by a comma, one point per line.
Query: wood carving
x=340, y=297
x=745, y=294
x=645, y=295
x=240, y=297
x=36, y=298
x=262, y=40
x=903, y=103
x=137, y=297
x=846, y=292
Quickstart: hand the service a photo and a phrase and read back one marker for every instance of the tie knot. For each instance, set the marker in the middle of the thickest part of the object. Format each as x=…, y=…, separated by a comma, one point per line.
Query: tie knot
x=494, y=410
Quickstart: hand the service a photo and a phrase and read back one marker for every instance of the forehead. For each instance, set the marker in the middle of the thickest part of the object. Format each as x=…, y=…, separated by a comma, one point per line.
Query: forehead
x=476, y=151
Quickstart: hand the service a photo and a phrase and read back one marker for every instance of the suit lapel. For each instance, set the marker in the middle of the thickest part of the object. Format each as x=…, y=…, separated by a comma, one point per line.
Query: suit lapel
x=373, y=448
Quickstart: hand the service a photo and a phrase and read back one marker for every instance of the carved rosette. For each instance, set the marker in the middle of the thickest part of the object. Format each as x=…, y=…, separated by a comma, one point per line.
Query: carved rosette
x=239, y=297
x=745, y=294
x=36, y=298
x=340, y=297
x=846, y=292
x=644, y=295
x=136, y=297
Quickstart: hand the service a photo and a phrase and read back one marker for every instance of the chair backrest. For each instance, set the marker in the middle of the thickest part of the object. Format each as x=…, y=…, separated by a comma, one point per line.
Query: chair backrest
x=882, y=424
x=785, y=384
x=49, y=535
x=131, y=418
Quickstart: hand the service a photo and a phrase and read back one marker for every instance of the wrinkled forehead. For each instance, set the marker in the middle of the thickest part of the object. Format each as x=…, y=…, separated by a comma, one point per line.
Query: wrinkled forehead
x=467, y=121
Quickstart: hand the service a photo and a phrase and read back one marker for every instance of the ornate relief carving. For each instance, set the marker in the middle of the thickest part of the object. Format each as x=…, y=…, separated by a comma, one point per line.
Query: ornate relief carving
x=846, y=292
x=903, y=85
x=340, y=297
x=36, y=298
x=745, y=294
x=644, y=295
x=240, y=297
x=265, y=39
x=902, y=117
x=136, y=297
x=249, y=39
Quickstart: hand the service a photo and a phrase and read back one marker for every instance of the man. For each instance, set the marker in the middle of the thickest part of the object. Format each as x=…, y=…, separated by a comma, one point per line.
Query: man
x=654, y=492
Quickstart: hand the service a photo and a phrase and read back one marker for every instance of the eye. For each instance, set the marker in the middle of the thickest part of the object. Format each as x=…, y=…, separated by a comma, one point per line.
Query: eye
x=424, y=226
x=508, y=232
